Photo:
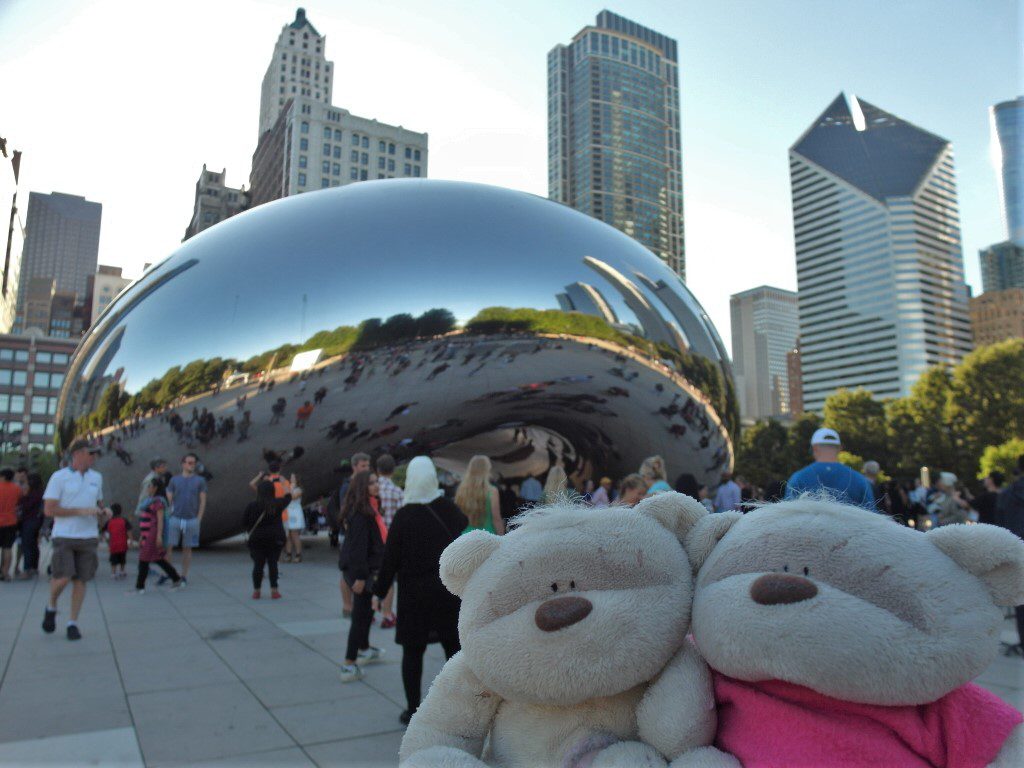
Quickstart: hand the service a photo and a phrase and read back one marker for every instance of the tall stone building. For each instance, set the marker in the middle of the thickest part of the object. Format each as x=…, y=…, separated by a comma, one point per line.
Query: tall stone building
x=62, y=239
x=614, y=149
x=215, y=201
x=879, y=263
x=765, y=327
x=298, y=69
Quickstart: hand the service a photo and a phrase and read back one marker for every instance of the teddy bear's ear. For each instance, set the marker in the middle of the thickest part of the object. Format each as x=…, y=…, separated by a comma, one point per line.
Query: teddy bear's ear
x=676, y=511
x=463, y=556
x=705, y=536
x=991, y=553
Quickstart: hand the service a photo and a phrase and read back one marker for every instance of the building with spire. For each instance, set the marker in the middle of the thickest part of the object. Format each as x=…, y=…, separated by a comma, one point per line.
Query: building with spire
x=614, y=149
x=880, y=277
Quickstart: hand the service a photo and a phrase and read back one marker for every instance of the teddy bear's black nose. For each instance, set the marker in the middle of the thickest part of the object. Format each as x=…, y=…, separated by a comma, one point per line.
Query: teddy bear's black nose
x=562, y=612
x=781, y=589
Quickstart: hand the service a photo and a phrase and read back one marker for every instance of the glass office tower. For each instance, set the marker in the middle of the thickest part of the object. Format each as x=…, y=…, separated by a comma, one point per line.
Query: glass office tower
x=1008, y=139
x=613, y=132
x=879, y=262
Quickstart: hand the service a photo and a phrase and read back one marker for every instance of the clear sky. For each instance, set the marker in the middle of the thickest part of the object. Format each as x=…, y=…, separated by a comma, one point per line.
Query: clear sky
x=123, y=102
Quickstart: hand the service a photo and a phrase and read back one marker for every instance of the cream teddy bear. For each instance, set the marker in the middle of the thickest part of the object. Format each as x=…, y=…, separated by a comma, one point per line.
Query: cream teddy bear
x=839, y=637
x=568, y=624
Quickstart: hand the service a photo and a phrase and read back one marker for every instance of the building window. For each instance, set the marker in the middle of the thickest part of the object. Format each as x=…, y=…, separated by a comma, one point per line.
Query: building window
x=352, y=174
x=327, y=149
x=17, y=406
x=47, y=357
x=355, y=139
x=380, y=163
x=325, y=166
x=391, y=166
x=302, y=179
x=363, y=175
x=354, y=156
x=391, y=149
x=415, y=170
x=408, y=153
x=21, y=356
x=416, y=155
x=207, y=217
x=364, y=159
x=380, y=175
x=327, y=132
x=19, y=378
x=302, y=161
x=366, y=142
x=407, y=169
x=337, y=152
x=337, y=135
x=325, y=183
x=304, y=128
x=60, y=358
x=336, y=169
x=304, y=144
x=381, y=146
x=39, y=405
x=6, y=354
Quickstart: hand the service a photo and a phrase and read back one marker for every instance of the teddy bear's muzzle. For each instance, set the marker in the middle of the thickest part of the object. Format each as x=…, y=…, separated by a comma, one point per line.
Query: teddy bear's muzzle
x=782, y=589
x=562, y=612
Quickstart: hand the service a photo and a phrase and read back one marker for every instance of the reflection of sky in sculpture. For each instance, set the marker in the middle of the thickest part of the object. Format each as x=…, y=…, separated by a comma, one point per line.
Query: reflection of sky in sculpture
x=348, y=271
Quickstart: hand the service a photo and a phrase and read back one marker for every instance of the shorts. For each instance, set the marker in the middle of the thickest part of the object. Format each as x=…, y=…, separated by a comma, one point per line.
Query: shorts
x=74, y=559
x=183, y=531
x=118, y=558
x=8, y=533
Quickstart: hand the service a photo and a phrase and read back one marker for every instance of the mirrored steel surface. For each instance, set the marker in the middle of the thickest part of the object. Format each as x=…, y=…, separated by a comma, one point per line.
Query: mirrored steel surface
x=454, y=319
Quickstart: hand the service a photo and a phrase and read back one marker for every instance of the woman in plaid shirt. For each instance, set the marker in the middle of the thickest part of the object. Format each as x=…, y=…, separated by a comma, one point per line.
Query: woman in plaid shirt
x=391, y=498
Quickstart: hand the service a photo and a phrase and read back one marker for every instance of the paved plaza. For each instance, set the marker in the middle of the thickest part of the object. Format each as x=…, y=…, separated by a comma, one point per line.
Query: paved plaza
x=206, y=675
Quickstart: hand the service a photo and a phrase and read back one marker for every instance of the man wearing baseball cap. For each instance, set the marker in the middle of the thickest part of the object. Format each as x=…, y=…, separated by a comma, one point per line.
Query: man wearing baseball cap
x=72, y=499
x=827, y=475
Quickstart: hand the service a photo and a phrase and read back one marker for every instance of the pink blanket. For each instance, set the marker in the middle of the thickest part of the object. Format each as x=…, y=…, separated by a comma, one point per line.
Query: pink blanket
x=773, y=724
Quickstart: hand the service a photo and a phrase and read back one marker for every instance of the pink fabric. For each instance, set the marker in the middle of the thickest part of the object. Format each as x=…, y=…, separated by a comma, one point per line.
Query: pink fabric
x=774, y=724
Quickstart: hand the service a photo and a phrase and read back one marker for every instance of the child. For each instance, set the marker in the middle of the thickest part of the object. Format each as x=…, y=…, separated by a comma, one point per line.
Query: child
x=117, y=529
x=151, y=536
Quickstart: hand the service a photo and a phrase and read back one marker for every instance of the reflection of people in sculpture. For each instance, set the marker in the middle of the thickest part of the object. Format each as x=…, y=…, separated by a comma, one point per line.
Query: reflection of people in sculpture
x=303, y=414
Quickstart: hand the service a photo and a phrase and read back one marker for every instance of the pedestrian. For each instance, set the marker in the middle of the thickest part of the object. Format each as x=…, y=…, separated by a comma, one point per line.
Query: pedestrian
x=10, y=495
x=360, y=463
x=30, y=524
x=72, y=498
x=948, y=506
x=729, y=495
x=602, y=494
x=478, y=498
x=302, y=414
x=359, y=560
x=186, y=495
x=116, y=530
x=295, y=521
x=632, y=488
x=151, y=512
x=826, y=475
x=872, y=470
x=531, y=490
x=1010, y=515
x=266, y=535
x=427, y=612
x=985, y=502
x=243, y=426
x=653, y=471
x=391, y=498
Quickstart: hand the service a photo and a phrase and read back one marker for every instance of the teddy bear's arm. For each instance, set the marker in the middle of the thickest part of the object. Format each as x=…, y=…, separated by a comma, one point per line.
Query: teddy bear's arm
x=1012, y=753
x=456, y=714
x=677, y=713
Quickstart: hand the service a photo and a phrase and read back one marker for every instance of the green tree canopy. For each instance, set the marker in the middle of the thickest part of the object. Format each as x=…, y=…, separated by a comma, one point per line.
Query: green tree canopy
x=1002, y=458
x=762, y=454
x=860, y=421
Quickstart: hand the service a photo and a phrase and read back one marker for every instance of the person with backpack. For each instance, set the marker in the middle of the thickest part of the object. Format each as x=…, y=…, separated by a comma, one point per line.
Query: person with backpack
x=266, y=535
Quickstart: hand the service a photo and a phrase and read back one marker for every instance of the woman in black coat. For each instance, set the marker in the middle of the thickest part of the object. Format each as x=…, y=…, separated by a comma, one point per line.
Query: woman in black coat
x=266, y=535
x=427, y=612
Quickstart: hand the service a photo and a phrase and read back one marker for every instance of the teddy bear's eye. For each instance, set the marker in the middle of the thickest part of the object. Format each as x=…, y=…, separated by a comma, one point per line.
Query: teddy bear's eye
x=785, y=568
x=572, y=585
x=807, y=571
x=554, y=587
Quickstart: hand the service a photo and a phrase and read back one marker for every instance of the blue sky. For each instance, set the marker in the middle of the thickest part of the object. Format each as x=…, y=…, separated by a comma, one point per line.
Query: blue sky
x=123, y=102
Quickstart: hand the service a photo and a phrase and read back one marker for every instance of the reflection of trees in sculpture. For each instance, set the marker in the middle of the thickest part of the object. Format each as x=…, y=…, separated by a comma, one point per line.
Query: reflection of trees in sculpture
x=201, y=376
x=704, y=374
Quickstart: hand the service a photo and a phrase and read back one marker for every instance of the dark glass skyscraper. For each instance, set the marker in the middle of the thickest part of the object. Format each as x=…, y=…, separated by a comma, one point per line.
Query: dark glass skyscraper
x=613, y=132
x=1008, y=136
x=879, y=263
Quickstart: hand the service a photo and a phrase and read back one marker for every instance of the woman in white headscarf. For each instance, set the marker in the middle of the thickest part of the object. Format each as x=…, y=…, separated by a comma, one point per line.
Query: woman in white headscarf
x=427, y=612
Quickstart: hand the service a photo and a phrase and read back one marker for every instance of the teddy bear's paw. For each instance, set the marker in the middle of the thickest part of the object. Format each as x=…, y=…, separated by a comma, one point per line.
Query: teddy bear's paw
x=628, y=754
x=705, y=757
x=442, y=757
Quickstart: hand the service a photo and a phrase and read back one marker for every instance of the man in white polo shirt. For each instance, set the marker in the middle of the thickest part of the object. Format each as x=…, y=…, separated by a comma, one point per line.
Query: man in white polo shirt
x=73, y=498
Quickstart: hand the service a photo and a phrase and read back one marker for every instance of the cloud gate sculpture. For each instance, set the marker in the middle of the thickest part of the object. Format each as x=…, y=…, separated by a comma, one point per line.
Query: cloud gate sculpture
x=416, y=317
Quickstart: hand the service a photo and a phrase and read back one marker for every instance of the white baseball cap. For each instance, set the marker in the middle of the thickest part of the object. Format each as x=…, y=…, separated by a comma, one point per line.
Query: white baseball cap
x=825, y=436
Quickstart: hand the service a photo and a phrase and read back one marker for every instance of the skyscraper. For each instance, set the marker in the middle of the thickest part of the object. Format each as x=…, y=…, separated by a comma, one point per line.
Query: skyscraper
x=879, y=263
x=1002, y=266
x=215, y=201
x=62, y=240
x=765, y=326
x=306, y=143
x=1008, y=141
x=613, y=132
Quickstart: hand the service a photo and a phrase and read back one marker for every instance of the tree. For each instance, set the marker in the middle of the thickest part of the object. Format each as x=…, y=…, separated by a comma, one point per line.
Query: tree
x=860, y=421
x=761, y=455
x=798, y=442
x=986, y=405
x=1002, y=458
x=917, y=430
x=435, y=322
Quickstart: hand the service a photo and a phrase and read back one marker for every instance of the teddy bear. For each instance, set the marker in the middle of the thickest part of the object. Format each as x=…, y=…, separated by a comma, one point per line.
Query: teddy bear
x=568, y=624
x=838, y=637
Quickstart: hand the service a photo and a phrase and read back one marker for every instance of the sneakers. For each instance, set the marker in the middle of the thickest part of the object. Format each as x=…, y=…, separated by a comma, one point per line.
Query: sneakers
x=182, y=583
x=49, y=620
x=350, y=673
x=369, y=655
x=163, y=580
x=178, y=584
x=255, y=594
x=73, y=633
x=275, y=595
x=388, y=622
x=136, y=591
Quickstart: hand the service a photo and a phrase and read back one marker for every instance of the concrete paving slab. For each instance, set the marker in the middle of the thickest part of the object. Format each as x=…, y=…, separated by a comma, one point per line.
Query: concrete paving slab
x=193, y=724
x=172, y=666
x=114, y=747
x=284, y=690
x=60, y=709
x=321, y=721
x=378, y=751
x=254, y=658
x=286, y=758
